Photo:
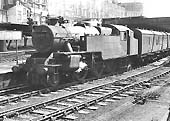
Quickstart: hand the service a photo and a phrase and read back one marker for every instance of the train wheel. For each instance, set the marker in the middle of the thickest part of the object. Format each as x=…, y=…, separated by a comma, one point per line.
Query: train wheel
x=80, y=76
x=98, y=69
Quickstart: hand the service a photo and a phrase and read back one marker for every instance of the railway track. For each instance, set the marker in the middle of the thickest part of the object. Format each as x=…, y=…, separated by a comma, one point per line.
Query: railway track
x=13, y=89
x=76, y=99
x=16, y=94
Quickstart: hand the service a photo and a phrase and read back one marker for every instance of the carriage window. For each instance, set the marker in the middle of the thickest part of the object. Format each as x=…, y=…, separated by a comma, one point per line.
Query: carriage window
x=157, y=40
x=123, y=36
x=149, y=40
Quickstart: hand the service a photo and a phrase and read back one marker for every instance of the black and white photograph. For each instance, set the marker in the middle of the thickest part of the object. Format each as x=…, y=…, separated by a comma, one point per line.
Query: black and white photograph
x=84, y=60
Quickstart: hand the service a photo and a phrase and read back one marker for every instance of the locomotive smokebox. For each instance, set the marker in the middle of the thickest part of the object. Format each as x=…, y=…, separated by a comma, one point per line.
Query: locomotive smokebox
x=49, y=38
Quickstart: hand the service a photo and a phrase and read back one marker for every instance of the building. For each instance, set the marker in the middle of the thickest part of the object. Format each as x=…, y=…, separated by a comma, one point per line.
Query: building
x=3, y=12
x=112, y=9
x=93, y=8
x=18, y=14
x=133, y=9
x=39, y=9
x=85, y=8
x=17, y=11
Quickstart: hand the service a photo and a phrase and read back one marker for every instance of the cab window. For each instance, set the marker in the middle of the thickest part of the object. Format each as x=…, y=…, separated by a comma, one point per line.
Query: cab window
x=123, y=36
x=115, y=32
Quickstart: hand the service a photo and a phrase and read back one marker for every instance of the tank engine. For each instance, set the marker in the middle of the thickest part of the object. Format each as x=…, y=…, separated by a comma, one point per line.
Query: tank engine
x=78, y=52
x=60, y=54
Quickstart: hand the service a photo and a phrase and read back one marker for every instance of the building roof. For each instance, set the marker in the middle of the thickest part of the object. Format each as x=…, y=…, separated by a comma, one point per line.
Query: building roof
x=157, y=24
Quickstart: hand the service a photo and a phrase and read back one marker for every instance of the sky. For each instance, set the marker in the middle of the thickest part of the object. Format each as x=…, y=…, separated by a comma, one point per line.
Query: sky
x=155, y=8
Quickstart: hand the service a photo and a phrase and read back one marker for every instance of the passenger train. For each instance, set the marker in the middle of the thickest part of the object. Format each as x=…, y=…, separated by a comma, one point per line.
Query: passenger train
x=80, y=52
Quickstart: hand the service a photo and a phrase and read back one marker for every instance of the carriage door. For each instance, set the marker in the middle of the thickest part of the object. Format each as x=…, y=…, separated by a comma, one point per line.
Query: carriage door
x=128, y=41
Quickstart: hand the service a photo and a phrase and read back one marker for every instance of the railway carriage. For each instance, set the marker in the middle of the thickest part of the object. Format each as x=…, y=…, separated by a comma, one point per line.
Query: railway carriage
x=164, y=41
x=80, y=52
x=168, y=38
x=152, y=44
x=145, y=40
x=157, y=41
x=160, y=45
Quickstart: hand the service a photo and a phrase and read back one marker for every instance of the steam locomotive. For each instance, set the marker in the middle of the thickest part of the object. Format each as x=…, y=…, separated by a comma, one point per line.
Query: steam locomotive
x=79, y=52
